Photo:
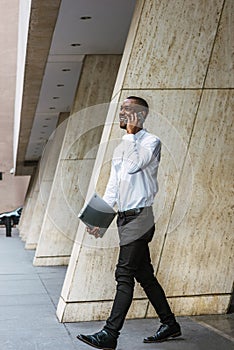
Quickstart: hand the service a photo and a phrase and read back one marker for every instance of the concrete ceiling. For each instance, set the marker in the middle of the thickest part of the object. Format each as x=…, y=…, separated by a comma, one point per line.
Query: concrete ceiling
x=62, y=34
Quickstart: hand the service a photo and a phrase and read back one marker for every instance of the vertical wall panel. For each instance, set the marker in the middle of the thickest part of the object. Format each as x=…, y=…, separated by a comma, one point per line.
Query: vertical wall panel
x=173, y=44
x=220, y=72
x=204, y=239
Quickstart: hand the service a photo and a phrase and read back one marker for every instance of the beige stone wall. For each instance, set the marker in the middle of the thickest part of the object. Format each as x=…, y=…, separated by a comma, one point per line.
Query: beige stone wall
x=180, y=58
x=96, y=81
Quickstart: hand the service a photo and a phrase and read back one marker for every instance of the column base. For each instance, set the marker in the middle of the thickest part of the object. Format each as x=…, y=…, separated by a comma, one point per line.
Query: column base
x=51, y=260
x=196, y=305
x=30, y=246
x=181, y=306
x=95, y=310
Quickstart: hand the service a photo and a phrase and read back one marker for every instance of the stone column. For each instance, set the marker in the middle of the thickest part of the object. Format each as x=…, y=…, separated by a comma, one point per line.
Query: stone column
x=46, y=175
x=30, y=198
x=178, y=57
x=26, y=199
x=76, y=159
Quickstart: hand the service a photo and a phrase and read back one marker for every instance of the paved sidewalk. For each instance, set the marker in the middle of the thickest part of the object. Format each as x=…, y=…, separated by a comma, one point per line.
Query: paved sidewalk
x=28, y=300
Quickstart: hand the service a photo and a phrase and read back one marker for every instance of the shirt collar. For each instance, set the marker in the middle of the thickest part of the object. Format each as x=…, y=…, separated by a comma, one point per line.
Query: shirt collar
x=140, y=133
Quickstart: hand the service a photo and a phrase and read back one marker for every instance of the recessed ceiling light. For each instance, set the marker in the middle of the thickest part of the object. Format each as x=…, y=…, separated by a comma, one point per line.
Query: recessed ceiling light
x=52, y=107
x=45, y=126
x=66, y=70
x=60, y=85
x=75, y=44
x=56, y=97
x=85, y=17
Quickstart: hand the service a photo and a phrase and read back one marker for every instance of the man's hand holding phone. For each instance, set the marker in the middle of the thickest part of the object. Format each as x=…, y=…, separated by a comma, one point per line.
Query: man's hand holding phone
x=135, y=122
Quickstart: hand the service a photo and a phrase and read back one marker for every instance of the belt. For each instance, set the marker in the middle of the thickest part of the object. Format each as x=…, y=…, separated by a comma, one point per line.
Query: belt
x=130, y=212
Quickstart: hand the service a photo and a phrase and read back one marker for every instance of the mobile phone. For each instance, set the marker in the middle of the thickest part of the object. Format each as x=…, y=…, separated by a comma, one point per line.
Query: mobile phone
x=140, y=117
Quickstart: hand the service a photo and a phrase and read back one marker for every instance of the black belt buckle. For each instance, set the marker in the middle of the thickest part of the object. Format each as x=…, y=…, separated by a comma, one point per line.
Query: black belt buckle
x=131, y=212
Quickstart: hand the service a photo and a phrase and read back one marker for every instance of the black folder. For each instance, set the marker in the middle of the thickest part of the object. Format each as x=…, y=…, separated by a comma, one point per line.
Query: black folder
x=97, y=213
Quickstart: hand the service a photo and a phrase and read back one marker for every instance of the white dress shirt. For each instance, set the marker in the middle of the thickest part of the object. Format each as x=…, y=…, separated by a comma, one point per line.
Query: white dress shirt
x=133, y=178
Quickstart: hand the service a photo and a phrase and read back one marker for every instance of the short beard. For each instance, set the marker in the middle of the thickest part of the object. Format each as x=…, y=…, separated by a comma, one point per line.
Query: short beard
x=123, y=125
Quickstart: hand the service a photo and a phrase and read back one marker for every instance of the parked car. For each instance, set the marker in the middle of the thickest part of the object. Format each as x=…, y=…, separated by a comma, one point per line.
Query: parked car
x=10, y=218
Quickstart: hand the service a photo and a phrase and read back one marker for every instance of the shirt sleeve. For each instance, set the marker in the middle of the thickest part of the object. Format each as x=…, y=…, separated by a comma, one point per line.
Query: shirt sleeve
x=138, y=157
x=111, y=192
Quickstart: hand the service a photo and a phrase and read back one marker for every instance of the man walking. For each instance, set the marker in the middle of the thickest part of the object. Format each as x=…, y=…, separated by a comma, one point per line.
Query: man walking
x=132, y=186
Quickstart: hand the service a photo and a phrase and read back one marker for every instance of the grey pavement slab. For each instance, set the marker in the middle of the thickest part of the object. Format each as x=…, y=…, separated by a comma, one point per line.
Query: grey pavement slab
x=222, y=324
x=194, y=336
x=28, y=301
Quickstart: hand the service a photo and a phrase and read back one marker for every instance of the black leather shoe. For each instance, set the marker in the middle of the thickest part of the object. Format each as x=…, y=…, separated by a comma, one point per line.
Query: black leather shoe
x=164, y=332
x=101, y=340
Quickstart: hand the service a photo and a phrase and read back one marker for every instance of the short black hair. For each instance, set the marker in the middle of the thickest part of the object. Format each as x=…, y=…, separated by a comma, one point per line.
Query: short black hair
x=140, y=101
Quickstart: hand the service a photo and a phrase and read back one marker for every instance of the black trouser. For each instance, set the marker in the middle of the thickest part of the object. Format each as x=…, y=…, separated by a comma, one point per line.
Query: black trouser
x=134, y=262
